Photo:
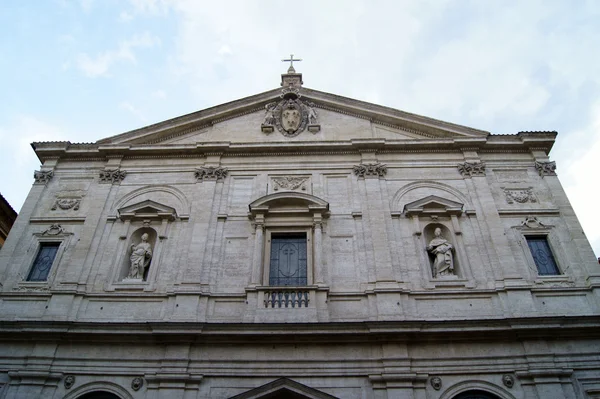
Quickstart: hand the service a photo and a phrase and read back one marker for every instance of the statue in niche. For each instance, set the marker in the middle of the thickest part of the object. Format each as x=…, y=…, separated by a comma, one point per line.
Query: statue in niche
x=443, y=264
x=141, y=254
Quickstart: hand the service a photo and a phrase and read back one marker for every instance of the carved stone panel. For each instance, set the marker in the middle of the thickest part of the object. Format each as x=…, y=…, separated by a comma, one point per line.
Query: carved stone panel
x=546, y=168
x=470, y=169
x=210, y=173
x=42, y=176
x=290, y=183
x=370, y=170
x=113, y=176
x=521, y=196
x=66, y=204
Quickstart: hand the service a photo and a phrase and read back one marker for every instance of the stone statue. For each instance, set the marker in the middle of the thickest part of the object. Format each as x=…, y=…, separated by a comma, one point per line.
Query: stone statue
x=269, y=117
x=443, y=265
x=312, y=114
x=141, y=254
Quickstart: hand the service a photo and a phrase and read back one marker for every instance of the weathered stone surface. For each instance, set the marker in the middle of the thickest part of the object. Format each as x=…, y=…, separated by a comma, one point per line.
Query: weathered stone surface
x=368, y=189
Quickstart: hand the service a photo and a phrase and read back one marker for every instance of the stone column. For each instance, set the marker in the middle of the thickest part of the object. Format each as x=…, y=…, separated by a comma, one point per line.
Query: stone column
x=257, y=259
x=318, y=250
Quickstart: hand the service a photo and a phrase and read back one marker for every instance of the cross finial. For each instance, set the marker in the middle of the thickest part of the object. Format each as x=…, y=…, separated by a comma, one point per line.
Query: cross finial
x=291, y=61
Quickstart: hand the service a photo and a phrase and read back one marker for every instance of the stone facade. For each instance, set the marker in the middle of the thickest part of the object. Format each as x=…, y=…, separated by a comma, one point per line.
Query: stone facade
x=417, y=279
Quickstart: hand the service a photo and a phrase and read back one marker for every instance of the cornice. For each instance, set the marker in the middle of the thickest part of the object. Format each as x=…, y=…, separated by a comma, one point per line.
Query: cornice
x=98, y=152
x=555, y=327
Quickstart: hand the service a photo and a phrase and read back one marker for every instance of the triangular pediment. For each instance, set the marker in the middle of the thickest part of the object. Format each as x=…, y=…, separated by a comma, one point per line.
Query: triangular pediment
x=284, y=388
x=339, y=118
x=433, y=205
x=147, y=210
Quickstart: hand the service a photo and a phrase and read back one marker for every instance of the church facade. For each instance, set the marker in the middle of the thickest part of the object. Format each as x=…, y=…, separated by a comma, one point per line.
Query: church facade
x=299, y=244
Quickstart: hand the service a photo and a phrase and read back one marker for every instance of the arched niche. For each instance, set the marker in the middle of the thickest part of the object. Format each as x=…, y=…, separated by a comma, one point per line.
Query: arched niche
x=131, y=222
x=444, y=252
x=134, y=243
x=428, y=214
x=161, y=194
x=417, y=190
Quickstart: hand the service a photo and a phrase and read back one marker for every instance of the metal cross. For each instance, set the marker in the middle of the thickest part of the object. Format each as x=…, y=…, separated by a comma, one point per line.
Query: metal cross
x=291, y=60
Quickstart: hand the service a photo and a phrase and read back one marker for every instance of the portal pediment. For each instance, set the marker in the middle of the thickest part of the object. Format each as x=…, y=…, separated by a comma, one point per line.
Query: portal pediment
x=284, y=388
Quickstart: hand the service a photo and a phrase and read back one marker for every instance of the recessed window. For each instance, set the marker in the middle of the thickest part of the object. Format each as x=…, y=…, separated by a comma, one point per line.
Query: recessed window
x=288, y=260
x=542, y=255
x=43, y=261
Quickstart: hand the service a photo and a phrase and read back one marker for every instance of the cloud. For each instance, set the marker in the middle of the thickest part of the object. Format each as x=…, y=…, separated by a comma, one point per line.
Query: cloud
x=579, y=174
x=133, y=110
x=100, y=64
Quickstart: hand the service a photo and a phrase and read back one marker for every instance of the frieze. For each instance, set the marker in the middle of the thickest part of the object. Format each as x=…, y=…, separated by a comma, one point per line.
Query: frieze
x=210, y=173
x=289, y=183
x=42, y=176
x=546, y=168
x=469, y=169
x=370, y=170
x=66, y=204
x=113, y=176
x=521, y=196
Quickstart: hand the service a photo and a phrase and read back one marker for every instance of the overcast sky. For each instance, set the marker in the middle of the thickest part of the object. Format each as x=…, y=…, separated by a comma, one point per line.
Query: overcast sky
x=81, y=70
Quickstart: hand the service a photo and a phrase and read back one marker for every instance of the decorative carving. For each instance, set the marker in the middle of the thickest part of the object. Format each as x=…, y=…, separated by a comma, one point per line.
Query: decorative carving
x=436, y=383
x=141, y=254
x=43, y=176
x=443, y=264
x=137, y=383
x=69, y=381
x=470, y=169
x=519, y=195
x=546, y=168
x=113, y=176
x=532, y=222
x=54, y=230
x=289, y=183
x=508, y=380
x=291, y=115
x=370, y=169
x=211, y=173
x=31, y=289
x=66, y=203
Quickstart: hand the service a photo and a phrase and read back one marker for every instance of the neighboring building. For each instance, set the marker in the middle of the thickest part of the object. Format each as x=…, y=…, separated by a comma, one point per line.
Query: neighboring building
x=299, y=244
x=7, y=218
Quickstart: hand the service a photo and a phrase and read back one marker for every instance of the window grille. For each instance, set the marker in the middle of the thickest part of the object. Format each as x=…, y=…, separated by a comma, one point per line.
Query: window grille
x=542, y=256
x=288, y=260
x=43, y=261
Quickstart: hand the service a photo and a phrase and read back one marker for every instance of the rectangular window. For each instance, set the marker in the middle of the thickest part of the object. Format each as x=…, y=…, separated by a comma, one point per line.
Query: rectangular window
x=43, y=261
x=288, y=260
x=542, y=256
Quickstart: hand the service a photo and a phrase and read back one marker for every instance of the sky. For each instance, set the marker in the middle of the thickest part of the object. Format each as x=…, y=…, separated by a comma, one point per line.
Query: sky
x=82, y=70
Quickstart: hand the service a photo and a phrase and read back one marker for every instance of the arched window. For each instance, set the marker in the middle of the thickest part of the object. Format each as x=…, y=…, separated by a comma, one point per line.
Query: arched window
x=476, y=394
x=99, y=395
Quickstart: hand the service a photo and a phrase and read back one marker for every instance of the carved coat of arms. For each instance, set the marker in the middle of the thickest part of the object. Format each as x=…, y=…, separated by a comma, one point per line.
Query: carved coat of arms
x=290, y=116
